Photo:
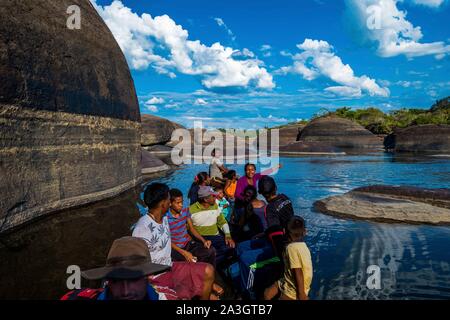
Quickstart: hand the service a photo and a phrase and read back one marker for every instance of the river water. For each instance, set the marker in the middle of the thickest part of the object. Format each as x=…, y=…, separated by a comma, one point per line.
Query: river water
x=414, y=260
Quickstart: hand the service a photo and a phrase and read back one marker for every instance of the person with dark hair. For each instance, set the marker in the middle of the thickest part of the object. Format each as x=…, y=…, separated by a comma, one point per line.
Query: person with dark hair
x=201, y=179
x=216, y=168
x=298, y=269
x=278, y=213
x=208, y=221
x=271, y=245
x=187, y=279
x=184, y=247
x=253, y=222
x=251, y=178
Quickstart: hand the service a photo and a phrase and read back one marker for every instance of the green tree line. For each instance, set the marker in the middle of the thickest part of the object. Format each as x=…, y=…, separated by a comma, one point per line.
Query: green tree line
x=379, y=122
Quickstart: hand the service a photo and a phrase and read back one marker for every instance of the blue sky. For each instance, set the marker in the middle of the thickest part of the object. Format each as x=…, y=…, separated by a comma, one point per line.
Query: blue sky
x=248, y=64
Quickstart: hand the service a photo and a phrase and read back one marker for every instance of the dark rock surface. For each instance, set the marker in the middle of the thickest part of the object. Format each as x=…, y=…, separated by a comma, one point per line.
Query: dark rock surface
x=436, y=197
x=287, y=134
x=156, y=130
x=46, y=66
x=152, y=164
x=203, y=142
x=308, y=148
x=70, y=131
x=423, y=138
x=335, y=132
x=159, y=149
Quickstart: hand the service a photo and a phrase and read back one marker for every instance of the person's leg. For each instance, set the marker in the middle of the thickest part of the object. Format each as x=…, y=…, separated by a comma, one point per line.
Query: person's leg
x=252, y=245
x=285, y=297
x=271, y=291
x=243, y=246
x=222, y=250
x=248, y=258
x=203, y=254
x=189, y=280
x=208, y=282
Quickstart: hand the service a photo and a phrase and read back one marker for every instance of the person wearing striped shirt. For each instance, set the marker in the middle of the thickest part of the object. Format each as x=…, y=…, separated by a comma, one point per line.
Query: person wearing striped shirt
x=185, y=247
x=208, y=220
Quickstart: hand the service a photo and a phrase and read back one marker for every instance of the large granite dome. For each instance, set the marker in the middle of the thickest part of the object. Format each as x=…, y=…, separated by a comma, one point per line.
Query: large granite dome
x=70, y=131
x=427, y=138
x=339, y=133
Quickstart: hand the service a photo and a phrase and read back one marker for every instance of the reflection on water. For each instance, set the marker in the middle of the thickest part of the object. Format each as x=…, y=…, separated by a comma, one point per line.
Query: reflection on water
x=414, y=260
x=34, y=259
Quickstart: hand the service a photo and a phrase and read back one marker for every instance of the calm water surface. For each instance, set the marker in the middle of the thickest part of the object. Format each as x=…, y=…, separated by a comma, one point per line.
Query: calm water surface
x=414, y=260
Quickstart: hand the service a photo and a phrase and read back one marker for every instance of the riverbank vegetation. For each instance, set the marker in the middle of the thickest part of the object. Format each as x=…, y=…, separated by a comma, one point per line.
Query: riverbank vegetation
x=379, y=122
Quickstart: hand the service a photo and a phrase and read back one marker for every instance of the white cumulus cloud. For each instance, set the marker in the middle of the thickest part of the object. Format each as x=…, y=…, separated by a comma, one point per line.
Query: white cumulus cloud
x=144, y=38
x=154, y=100
x=383, y=23
x=151, y=108
x=318, y=59
x=200, y=102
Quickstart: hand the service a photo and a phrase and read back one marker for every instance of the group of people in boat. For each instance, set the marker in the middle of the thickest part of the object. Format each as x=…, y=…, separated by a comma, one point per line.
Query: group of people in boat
x=175, y=252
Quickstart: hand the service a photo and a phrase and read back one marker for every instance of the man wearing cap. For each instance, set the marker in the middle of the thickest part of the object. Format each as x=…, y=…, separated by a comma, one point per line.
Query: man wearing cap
x=125, y=275
x=188, y=279
x=208, y=220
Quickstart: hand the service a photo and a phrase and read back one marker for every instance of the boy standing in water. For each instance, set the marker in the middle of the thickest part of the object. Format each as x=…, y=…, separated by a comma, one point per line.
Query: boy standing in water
x=298, y=270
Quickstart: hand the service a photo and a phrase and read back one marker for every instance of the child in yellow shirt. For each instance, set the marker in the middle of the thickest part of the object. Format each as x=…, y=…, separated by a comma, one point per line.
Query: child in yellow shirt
x=298, y=270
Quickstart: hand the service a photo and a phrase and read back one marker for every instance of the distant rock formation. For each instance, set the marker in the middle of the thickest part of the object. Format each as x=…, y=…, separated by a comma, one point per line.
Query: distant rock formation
x=286, y=134
x=152, y=164
x=301, y=147
x=390, y=204
x=156, y=130
x=70, y=131
x=338, y=134
x=427, y=138
x=205, y=140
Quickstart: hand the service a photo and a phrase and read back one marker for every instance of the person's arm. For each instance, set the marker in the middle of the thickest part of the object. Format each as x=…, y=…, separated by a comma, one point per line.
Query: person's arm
x=271, y=170
x=240, y=186
x=223, y=225
x=300, y=284
x=186, y=254
x=221, y=166
x=223, y=169
x=197, y=235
